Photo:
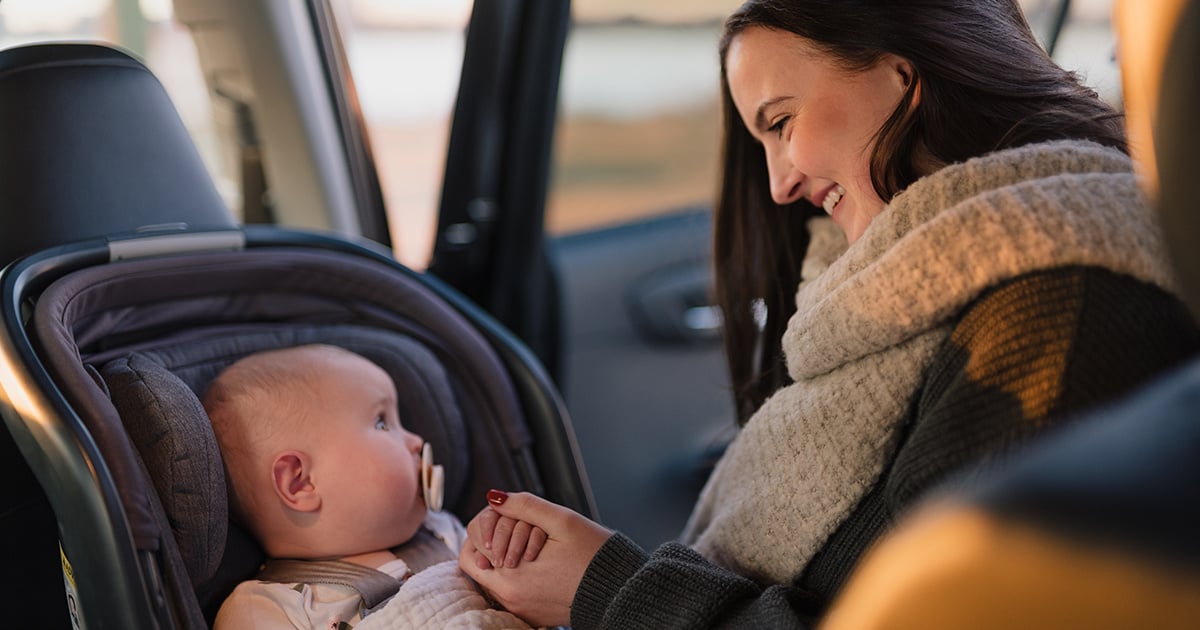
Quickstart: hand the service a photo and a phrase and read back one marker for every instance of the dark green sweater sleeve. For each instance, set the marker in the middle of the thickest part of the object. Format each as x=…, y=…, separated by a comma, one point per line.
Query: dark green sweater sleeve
x=674, y=587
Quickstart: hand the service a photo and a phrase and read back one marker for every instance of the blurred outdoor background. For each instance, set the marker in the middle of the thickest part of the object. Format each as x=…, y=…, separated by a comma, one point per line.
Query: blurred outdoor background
x=637, y=131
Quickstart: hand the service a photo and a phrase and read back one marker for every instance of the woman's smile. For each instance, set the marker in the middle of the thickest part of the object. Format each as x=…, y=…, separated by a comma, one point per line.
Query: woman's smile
x=832, y=197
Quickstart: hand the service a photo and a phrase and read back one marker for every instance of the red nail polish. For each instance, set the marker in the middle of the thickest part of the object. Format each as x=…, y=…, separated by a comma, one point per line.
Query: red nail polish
x=497, y=497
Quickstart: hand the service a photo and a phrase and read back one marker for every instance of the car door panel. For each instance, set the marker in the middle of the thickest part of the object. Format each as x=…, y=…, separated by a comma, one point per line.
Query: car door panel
x=647, y=392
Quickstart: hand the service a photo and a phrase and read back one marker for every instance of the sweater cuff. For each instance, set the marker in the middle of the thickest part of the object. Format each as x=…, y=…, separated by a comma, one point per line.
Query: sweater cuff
x=612, y=566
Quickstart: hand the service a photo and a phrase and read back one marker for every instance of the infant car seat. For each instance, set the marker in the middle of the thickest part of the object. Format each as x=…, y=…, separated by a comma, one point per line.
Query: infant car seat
x=130, y=288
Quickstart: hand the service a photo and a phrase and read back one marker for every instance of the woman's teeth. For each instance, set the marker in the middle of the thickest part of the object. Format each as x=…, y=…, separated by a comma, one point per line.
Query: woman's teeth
x=833, y=198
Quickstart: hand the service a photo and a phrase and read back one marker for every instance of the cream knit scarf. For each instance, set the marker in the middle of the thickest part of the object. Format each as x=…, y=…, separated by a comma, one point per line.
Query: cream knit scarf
x=868, y=326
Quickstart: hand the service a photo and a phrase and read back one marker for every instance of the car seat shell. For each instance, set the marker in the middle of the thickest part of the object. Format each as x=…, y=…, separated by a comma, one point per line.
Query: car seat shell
x=139, y=198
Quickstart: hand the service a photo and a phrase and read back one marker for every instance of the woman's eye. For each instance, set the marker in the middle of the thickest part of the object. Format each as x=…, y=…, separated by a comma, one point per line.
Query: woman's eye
x=777, y=128
x=381, y=423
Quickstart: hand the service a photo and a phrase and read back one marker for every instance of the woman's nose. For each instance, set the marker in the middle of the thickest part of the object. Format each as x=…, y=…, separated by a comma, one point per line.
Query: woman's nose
x=785, y=181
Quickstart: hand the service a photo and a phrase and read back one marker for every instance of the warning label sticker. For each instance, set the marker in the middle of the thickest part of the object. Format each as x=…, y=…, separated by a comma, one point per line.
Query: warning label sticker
x=69, y=584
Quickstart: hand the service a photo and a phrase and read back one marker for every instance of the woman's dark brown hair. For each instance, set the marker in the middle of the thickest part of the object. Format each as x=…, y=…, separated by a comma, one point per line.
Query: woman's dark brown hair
x=981, y=83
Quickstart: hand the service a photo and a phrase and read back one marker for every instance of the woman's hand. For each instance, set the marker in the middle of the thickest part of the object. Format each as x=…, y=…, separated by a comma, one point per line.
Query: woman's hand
x=506, y=541
x=539, y=591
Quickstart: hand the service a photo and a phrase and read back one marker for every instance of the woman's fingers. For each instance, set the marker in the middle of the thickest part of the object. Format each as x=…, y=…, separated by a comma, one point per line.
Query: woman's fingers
x=532, y=509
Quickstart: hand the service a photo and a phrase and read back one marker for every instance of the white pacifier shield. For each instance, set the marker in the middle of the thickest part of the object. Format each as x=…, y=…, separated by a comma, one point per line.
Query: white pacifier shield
x=433, y=479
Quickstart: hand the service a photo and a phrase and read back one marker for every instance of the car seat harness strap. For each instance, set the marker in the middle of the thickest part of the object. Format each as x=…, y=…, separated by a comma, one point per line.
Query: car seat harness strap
x=424, y=550
x=375, y=587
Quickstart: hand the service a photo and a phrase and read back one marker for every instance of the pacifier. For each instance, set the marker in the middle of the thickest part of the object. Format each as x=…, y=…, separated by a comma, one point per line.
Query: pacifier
x=433, y=479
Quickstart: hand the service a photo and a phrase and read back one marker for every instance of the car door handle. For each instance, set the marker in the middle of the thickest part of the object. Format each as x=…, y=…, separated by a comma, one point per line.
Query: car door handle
x=673, y=305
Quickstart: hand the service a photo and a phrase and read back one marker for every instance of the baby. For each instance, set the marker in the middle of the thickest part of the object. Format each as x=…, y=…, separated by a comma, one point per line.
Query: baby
x=320, y=468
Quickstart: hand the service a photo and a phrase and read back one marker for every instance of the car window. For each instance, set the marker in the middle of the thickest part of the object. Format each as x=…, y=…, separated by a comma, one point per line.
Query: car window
x=638, y=127
x=637, y=131
x=147, y=29
x=405, y=58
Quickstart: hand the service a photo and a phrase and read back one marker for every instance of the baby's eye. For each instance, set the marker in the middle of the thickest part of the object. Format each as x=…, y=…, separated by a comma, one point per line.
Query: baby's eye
x=381, y=423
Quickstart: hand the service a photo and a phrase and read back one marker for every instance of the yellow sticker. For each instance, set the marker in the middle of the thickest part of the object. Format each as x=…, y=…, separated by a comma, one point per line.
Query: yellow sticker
x=68, y=574
x=69, y=585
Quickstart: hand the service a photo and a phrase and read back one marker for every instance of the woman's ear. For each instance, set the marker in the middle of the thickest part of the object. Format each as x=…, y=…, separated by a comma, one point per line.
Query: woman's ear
x=291, y=476
x=907, y=76
x=904, y=69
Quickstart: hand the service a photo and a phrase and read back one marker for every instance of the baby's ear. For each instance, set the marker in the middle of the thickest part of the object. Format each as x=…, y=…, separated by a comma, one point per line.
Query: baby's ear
x=292, y=480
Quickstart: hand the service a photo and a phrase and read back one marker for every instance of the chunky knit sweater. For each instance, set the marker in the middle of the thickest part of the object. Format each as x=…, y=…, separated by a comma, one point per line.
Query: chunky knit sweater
x=1026, y=336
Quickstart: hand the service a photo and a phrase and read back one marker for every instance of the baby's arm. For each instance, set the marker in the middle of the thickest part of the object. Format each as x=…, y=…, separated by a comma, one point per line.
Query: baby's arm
x=506, y=541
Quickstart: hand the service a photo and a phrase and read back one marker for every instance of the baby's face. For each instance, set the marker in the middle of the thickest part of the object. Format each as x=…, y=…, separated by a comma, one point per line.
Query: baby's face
x=367, y=465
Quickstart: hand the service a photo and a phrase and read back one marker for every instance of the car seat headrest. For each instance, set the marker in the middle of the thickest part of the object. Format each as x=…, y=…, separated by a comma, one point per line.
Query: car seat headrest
x=92, y=146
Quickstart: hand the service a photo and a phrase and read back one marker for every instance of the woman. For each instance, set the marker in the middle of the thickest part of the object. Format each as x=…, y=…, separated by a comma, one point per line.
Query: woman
x=1002, y=273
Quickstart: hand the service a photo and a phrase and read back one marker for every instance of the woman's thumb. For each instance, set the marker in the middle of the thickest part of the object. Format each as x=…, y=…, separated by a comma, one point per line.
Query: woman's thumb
x=523, y=506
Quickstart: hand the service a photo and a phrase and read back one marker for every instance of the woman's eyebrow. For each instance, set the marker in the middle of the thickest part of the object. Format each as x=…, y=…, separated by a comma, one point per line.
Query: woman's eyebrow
x=760, y=116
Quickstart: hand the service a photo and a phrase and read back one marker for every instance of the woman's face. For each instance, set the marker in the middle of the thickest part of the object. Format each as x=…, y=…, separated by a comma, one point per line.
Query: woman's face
x=816, y=121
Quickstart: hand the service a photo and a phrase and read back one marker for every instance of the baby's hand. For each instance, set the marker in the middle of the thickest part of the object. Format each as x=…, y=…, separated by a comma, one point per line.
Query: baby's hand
x=503, y=541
